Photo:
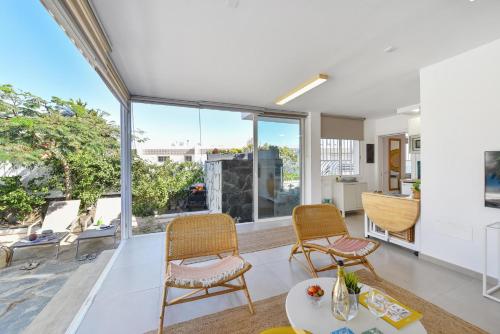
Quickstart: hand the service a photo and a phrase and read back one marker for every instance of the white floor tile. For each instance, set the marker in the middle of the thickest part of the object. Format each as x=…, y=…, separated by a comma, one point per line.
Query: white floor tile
x=467, y=302
x=132, y=313
x=263, y=283
x=131, y=278
x=290, y=273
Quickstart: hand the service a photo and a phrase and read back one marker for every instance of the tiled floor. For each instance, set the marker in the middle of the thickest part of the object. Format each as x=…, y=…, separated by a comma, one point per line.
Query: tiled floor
x=129, y=300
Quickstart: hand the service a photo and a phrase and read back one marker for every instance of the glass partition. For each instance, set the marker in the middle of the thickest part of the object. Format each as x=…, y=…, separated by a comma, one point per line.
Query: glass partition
x=189, y=161
x=279, y=166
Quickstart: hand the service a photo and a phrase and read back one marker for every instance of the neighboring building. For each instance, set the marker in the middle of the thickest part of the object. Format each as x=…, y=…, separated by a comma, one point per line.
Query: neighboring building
x=160, y=155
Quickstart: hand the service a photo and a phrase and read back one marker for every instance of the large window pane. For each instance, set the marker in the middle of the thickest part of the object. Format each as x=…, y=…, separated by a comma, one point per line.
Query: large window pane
x=279, y=167
x=339, y=157
x=189, y=160
x=330, y=157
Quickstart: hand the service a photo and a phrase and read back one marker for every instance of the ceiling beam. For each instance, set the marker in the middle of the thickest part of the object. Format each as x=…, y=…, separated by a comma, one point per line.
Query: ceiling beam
x=216, y=106
x=79, y=22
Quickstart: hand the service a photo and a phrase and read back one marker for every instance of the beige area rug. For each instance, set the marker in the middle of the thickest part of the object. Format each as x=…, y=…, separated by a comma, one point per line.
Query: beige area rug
x=270, y=312
x=254, y=241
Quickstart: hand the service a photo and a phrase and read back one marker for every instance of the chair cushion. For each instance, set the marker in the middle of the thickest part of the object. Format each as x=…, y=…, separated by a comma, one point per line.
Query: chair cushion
x=353, y=246
x=206, y=276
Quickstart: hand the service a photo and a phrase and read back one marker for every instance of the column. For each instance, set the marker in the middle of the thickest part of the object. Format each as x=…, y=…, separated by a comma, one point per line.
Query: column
x=126, y=169
x=312, y=155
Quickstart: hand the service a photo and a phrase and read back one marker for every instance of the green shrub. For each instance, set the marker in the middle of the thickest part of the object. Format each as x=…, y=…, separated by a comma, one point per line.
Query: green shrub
x=18, y=201
x=154, y=186
x=93, y=175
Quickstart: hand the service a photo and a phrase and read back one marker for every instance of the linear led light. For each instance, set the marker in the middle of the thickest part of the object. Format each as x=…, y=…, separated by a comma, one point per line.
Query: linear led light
x=303, y=88
x=409, y=110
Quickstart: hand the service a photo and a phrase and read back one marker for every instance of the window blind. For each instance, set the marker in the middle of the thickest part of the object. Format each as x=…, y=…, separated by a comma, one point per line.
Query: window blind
x=335, y=127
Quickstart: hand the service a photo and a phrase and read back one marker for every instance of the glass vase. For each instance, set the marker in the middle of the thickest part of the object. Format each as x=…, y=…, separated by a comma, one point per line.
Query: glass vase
x=340, y=296
x=353, y=306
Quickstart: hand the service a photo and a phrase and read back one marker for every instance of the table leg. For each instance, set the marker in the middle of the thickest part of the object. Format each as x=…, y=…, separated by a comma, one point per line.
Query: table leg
x=77, y=246
x=58, y=248
x=11, y=256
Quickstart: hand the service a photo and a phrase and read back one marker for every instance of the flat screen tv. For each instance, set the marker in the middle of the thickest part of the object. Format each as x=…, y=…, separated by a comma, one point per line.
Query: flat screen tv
x=492, y=179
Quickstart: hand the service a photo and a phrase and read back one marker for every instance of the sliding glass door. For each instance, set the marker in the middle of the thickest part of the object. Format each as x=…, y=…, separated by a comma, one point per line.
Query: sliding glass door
x=279, y=166
x=191, y=160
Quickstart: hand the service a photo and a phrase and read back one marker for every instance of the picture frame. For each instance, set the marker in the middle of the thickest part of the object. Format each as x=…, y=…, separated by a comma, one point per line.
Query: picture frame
x=492, y=179
x=370, y=153
x=415, y=144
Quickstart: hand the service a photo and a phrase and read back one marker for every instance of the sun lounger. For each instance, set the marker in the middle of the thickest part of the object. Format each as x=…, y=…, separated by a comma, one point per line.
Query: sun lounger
x=61, y=218
x=105, y=222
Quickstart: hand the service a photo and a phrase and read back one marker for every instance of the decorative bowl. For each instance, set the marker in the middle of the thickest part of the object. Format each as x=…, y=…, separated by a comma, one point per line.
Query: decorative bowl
x=315, y=293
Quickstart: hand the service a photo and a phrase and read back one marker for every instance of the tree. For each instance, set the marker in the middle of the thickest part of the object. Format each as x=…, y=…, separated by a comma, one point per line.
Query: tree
x=290, y=159
x=76, y=142
x=80, y=150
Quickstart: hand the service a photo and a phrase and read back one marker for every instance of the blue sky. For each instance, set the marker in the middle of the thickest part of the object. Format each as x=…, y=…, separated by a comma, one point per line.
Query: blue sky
x=37, y=56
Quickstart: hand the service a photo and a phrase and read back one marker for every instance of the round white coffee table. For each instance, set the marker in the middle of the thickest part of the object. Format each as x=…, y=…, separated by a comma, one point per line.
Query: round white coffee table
x=318, y=319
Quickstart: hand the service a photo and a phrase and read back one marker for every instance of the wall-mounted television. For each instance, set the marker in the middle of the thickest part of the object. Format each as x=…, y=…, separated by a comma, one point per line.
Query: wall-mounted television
x=492, y=179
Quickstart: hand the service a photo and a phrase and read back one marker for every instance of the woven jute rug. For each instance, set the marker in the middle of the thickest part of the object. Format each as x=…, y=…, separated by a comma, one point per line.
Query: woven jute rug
x=270, y=312
x=265, y=239
x=254, y=241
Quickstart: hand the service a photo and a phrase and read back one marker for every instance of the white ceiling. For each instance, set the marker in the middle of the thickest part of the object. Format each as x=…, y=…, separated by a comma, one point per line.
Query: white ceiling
x=253, y=51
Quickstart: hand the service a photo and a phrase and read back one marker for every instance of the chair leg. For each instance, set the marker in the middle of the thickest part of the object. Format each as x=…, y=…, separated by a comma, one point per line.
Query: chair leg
x=247, y=294
x=293, y=251
x=163, y=306
x=368, y=265
x=309, y=262
x=334, y=260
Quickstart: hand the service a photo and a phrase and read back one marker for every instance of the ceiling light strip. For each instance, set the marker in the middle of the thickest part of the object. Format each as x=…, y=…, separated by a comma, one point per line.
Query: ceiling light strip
x=303, y=88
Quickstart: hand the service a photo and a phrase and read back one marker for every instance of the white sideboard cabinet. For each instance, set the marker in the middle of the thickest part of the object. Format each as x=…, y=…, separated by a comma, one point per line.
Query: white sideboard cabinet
x=347, y=195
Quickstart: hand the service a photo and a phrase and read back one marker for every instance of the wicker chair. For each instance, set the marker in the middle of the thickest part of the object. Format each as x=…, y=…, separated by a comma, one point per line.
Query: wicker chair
x=196, y=236
x=323, y=221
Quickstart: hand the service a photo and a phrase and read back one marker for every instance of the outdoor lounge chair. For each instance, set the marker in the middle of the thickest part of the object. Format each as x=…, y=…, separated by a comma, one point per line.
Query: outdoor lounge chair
x=190, y=237
x=323, y=221
x=105, y=222
x=107, y=212
x=61, y=218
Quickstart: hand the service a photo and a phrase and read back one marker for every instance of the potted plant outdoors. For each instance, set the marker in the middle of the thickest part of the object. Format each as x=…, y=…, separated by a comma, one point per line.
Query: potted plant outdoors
x=416, y=189
x=354, y=288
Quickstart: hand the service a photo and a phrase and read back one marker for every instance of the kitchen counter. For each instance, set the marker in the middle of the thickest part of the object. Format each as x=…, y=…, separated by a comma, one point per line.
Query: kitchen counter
x=409, y=180
x=407, y=186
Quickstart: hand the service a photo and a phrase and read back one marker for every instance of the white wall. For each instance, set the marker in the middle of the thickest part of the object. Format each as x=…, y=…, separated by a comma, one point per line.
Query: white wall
x=460, y=100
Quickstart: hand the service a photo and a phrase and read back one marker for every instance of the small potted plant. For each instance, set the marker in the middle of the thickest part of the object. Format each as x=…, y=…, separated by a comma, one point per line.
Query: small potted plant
x=352, y=283
x=416, y=189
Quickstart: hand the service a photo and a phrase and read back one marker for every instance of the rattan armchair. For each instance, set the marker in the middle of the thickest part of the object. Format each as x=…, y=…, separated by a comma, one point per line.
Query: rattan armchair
x=197, y=236
x=324, y=221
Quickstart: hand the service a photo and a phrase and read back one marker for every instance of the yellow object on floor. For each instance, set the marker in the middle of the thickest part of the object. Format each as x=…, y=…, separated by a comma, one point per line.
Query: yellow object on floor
x=285, y=330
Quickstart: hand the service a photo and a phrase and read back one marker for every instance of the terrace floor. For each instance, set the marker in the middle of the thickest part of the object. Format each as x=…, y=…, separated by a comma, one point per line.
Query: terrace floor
x=24, y=294
x=129, y=299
